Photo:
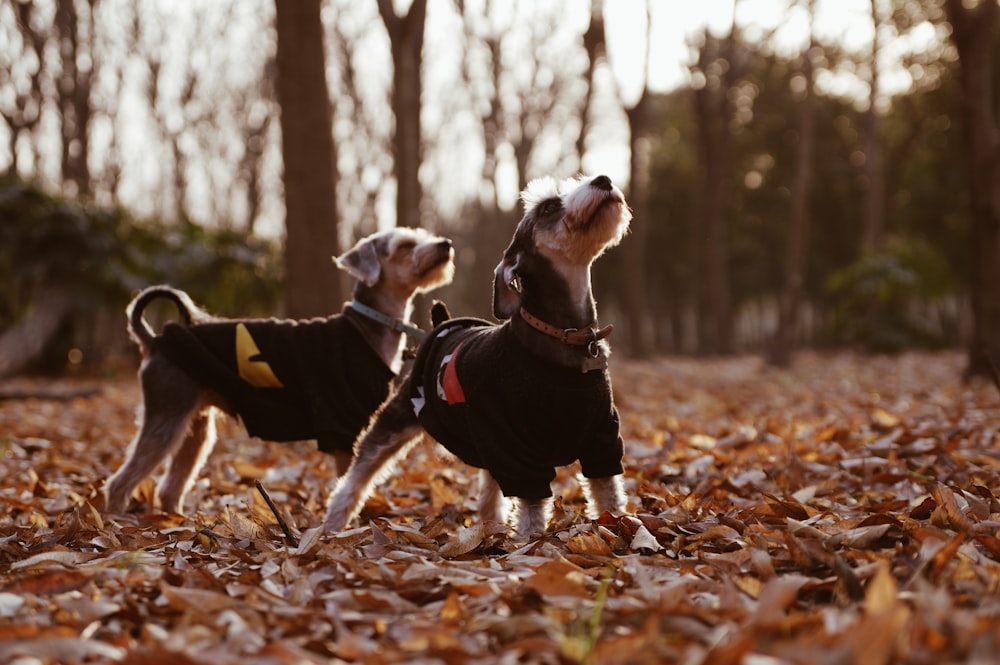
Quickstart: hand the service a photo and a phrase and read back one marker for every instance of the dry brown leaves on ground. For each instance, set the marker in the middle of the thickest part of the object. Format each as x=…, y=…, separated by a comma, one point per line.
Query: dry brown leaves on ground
x=843, y=511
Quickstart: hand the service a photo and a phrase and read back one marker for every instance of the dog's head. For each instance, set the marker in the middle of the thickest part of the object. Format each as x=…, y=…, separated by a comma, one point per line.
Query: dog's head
x=410, y=260
x=567, y=225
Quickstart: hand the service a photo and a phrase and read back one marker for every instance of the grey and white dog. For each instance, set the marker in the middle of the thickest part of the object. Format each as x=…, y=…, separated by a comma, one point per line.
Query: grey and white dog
x=518, y=399
x=287, y=380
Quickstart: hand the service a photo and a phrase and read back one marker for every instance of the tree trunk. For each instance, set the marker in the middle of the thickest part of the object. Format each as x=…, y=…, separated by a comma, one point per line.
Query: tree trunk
x=406, y=36
x=312, y=284
x=788, y=307
x=973, y=31
x=638, y=309
x=74, y=96
x=712, y=114
x=23, y=118
x=594, y=44
x=874, y=204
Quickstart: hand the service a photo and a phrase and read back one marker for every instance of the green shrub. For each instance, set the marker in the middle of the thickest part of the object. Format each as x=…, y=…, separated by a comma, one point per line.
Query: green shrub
x=883, y=299
x=101, y=256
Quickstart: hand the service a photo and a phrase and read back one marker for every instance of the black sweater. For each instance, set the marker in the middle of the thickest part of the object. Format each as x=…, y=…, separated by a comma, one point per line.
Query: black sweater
x=311, y=379
x=498, y=406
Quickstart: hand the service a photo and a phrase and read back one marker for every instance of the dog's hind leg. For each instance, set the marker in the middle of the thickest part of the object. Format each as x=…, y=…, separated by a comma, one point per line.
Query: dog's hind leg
x=492, y=504
x=187, y=461
x=394, y=430
x=170, y=400
x=604, y=494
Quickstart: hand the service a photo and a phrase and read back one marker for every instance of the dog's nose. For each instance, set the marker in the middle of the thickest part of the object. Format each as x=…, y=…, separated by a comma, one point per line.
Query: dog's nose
x=445, y=244
x=602, y=182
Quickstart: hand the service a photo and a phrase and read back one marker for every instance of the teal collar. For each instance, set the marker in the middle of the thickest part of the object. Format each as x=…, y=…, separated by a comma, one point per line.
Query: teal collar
x=387, y=321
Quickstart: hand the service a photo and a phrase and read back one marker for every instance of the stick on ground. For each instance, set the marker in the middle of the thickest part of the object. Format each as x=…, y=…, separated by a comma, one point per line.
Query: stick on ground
x=292, y=540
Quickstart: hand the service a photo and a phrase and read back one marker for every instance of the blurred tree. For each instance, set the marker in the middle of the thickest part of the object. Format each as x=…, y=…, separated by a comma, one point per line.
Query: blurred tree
x=717, y=69
x=84, y=82
x=365, y=160
x=406, y=36
x=595, y=44
x=635, y=299
x=484, y=241
x=312, y=285
x=254, y=135
x=540, y=97
x=535, y=98
x=790, y=298
x=477, y=29
x=524, y=106
x=51, y=58
x=665, y=213
x=974, y=33
x=78, y=72
x=765, y=138
x=22, y=67
x=871, y=142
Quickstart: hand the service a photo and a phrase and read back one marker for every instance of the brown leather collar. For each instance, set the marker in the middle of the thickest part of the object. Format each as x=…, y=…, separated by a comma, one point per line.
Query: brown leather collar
x=573, y=336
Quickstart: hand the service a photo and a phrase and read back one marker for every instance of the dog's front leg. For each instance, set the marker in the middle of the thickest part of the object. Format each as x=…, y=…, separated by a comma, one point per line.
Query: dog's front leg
x=533, y=516
x=604, y=494
x=394, y=430
x=492, y=504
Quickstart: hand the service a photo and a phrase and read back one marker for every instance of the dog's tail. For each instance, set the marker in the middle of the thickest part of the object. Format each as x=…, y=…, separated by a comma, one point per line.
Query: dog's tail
x=137, y=326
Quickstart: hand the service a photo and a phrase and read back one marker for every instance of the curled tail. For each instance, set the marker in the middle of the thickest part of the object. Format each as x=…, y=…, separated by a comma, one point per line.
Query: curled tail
x=137, y=326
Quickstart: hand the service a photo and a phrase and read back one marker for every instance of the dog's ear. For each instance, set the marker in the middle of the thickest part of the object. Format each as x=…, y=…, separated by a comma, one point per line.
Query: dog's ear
x=506, y=287
x=362, y=262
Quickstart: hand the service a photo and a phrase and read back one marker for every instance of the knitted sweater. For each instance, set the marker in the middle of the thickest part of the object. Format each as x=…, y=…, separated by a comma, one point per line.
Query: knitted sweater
x=496, y=405
x=287, y=380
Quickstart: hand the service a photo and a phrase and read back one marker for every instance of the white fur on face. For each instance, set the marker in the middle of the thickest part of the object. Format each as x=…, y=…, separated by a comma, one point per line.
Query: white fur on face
x=417, y=258
x=421, y=255
x=593, y=219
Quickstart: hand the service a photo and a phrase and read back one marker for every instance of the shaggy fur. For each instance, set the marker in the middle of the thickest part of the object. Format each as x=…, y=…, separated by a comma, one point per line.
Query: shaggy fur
x=288, y=380
x=521, y=398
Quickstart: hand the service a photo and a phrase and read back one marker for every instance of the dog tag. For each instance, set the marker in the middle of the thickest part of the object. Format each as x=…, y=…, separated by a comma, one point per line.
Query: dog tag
x=589, y=364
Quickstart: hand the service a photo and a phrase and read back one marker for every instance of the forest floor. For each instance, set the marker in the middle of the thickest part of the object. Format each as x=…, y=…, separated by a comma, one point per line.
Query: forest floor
x=841, y=511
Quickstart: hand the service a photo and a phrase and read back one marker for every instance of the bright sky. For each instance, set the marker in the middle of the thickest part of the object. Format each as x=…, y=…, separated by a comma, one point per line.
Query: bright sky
x=676, y=22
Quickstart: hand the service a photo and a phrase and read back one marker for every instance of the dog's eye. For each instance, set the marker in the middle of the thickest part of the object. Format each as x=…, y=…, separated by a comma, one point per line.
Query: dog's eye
x=550, y=208
x=406, y=245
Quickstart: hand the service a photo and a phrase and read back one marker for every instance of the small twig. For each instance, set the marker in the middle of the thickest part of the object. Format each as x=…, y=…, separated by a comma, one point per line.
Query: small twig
x=208, y=533
x=292, y=540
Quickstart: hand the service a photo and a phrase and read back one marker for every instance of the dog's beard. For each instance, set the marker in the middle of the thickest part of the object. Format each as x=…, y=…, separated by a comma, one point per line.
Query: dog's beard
x=580, y=239
x=435, y=268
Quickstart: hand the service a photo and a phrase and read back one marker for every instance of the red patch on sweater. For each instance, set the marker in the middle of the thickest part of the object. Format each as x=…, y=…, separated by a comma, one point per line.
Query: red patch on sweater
x=450, y=384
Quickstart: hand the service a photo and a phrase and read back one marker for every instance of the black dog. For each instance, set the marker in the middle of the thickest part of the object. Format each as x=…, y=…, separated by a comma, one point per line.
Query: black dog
x=519, y=399
x=287, y=380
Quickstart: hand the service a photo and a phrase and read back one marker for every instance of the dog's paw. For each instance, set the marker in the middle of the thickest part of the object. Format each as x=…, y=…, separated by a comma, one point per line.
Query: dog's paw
x=337, y=515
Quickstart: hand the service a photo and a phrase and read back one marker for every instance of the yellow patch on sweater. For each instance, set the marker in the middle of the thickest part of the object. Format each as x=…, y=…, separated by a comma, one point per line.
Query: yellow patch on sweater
x=253, y=370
